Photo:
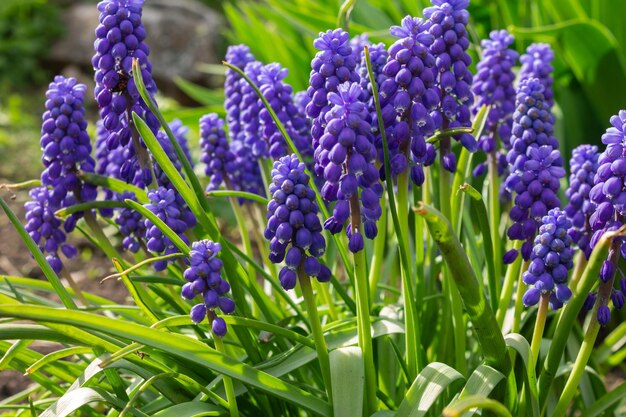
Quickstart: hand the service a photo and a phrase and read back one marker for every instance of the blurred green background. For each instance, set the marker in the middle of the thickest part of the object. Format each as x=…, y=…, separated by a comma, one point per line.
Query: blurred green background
x=588, y=36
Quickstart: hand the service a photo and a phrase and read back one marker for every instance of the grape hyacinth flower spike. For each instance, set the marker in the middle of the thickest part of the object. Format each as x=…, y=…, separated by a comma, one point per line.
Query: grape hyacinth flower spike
x=333, y=64
x=120, y=39
x=216, y=153
x=165, y=204
x=535, y=163
x=239, y=56
x=293, y=228
x=537, y=63
x=408, y=95
x=550, y=261
x=609, y=196
x=350, y=154
x=583, y=168
x=448, y=21
x=204, y=277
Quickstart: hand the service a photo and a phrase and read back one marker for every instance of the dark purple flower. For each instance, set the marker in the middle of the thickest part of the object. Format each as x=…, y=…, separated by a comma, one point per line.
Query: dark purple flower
x=408, y=95
x=120, y=39
x=132, y=225
x=334, y=64
x=535, y=163
x=166, y=205
x=537, y=63
x=448, y=21
x=216, y=153
x=550, y=261
x=347, y=153
x=583, y=168
x=239, y=56
x=293, y=228
x=45, y=228
x=204, y=278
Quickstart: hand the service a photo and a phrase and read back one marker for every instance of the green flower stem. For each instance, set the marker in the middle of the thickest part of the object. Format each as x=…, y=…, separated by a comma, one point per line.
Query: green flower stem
x=231, y=397
x=570, y=312
x=494, y=216
x=403, y=209
x=450, y=288
x=379, y=252
x=411, y=324
x=328, y=299
x=519, y=306
x=507, y=287
x=378, y=256
x=364, y=328
x=571, y=386
x=487, y=330
x=316, y=327
x=579, y=267
x=540, y=323
x=247, y=245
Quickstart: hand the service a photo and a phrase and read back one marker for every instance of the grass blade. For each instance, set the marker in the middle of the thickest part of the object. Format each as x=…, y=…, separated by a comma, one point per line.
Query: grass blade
x=347, y=375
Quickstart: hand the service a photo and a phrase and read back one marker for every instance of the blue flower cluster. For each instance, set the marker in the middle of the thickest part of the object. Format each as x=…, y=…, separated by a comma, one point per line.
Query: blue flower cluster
x=280, y=98
x=66, y=150
x=239, y=56
x=537, y=63
x=583, y=168
x=204, y=277
x=216, y=153
x=493, y=86
x=550, y=261
x=609, y=196
x=535, y=163
x=408, y=95
x=293, y=223
x=347, y=152
x=131, y=223
x=448, y=21
x=120, y=39
x=334, y=64
x=166, y=205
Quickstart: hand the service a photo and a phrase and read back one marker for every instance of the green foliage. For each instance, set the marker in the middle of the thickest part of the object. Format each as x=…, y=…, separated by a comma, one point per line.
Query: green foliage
x=27, y=28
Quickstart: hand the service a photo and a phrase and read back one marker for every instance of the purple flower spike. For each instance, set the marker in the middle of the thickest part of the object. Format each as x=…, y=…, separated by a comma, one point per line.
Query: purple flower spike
x=347, y=152
x=448, y=21
x=119, y=39
x=334, y=64
x=293, y=228
x=280, y=97
x=204, y=277
x=493, y=86
x=168, y=206
x=537, y=63
x=583, y=168
x=550, y=261
x=216, y=152
x=408, y=95
x=239, y=56
x=535, y=163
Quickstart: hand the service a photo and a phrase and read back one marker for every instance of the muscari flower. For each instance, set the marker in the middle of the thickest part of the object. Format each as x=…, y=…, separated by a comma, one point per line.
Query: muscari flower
x=493, y=86
x=537, y=63
x=239, y=56
x=583, y=167
x=293, y=228
x=550, y=261
x=120, y=39
x=609, y=196
x=204, y=277
x=347, y=152
x=333, y=64
x=535, y=163
x=168, y=206
x=408, y=94
x=448, y=21
x=216, y=153
x=280, y=98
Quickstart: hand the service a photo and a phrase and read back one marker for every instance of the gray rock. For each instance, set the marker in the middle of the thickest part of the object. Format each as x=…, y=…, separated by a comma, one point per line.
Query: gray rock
x=181, y=35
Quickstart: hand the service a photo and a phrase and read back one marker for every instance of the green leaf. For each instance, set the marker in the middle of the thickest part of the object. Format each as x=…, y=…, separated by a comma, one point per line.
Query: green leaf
x=348, y=376
x=518, y=343
x=238, y=194
x=114, y=185
x=481, y=382
x=75, y=399
x=604, y=403
x=47, y=270
x=200, y=94
x=177, y=345
x=462, y=405
x=190, y=409
x=429, y=384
